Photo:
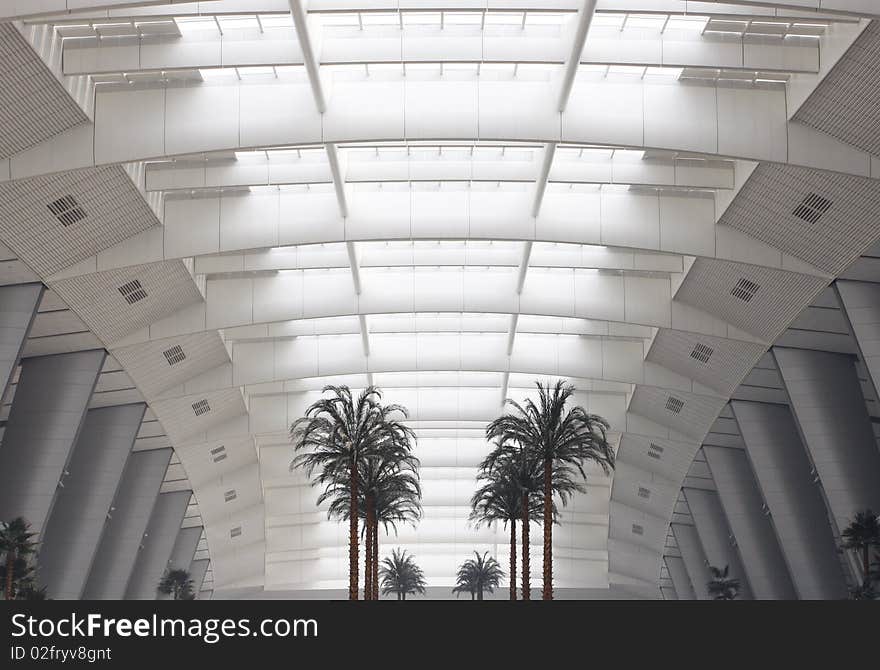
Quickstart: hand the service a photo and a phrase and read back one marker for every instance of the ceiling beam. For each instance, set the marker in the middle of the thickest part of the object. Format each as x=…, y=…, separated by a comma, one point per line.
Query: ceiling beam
x=585, y=18
x=300, y=23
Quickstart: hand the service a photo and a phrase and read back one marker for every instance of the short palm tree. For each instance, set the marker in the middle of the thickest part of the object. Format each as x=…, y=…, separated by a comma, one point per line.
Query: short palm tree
x=336, y=435
x=16, y=542
x=177, y=583
x=722, y=586
x=401, y=575
x=861, y=535
x=507, y=481
x=477, y=575
x=563, y=439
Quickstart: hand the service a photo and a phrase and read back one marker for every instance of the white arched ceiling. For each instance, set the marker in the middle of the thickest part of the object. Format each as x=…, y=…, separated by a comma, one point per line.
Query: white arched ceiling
x=443, y=201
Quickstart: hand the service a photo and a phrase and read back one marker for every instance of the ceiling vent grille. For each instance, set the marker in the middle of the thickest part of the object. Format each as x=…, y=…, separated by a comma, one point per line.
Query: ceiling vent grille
x=655, y=451
x=745, y=290
x=230, y=495
x=219, y=454
x=637, y=529
x=812, y=208
x=174, y=355
x=201, y=407
x=67, y=210
x=702, y=353
x=132, y=291
x=235, y=532
x=644, y=493
x=674, y=405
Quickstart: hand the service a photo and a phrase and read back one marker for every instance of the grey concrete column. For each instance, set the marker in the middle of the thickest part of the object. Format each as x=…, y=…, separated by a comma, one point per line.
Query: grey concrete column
x=184, y=551
x=18, y=307
x=715, y=535
x=744, y=508
x=828, y=404
x=74, y=528
x=47, y=413
x=668, y=593
x=197, y=571
x=158, y=542
x=861, y=303
x=780, y=464
x=680, y=579
x=694, y=558
x=124, y=531
x=185, y=548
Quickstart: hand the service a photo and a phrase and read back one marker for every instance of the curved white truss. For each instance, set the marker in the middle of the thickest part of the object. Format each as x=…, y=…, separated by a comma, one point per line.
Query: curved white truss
x=449, y=205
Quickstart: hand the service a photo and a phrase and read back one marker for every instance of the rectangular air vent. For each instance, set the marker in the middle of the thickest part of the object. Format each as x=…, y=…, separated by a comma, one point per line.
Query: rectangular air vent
x=644, y=493
x=235, y=532
x=230, y=495
x=201, y=407
x=812, y=208
x=702, y=353
x=745, y=290
x=637, y=529
x=67, y=210
x=674, y=405
x=174, y=355
x=132, y=291
x=655, y=451
x=219, y=454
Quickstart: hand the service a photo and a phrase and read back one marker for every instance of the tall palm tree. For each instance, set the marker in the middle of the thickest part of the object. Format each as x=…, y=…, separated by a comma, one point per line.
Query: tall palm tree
x=564, y=439
x=500, y=497
x=401, y=575
x=336, y=435
x=862, y=534
x=16, y=542
x=722, y=586
x=177, y=583
x=477, y=575
x=394, y=498
x=515, y=464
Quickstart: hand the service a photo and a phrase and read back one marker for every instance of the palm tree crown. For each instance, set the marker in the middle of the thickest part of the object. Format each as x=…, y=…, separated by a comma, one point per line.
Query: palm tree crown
x=862, y=534
x=16, y=543
x=562, y=439
x=401, y=575
x=178, y=584
x=477, y=575
x=722, y=586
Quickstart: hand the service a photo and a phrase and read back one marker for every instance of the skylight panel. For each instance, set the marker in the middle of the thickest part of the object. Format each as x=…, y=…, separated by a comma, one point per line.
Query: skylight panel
x=504, y=18
x=695, y=24
x=671, y=73
x=239, y=22
x=193, y=24
x=609, y=20
x=644, y=22
x=271, y=21
x=219, y=74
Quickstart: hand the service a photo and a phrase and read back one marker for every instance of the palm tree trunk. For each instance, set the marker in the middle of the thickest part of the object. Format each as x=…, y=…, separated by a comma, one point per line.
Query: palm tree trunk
x=513, y=559
x=480, y=594
x=10, y=567
x=548, y=530
x=375, y=550
x=866, y=560
x=353, y=534
x=368, y=552
x=526, y=586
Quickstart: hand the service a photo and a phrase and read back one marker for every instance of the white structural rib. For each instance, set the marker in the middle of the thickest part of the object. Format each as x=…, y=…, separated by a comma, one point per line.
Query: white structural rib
x=585, y=18
x=338, y=178
x=300, y=22
x=543, y=177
